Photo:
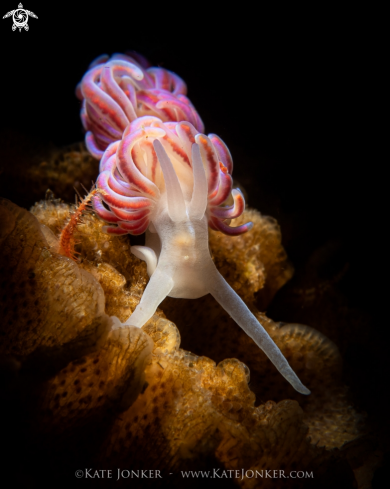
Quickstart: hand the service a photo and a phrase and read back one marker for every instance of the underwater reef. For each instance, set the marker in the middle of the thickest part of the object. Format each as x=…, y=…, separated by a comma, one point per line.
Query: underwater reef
x=188, y=391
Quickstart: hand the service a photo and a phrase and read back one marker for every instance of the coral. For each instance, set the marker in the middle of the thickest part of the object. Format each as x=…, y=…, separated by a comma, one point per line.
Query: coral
x=93, y=245
x=313, y=297
x=61, y=169
x=139, y=384
x=328, y=413
x=108, y=379
x=194, y=410
x=36, y=168
x=49, y=306
x=79, y=388
x=255, y=263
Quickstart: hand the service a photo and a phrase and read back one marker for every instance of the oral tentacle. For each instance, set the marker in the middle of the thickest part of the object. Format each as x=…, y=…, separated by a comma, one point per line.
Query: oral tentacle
x=147, y=255
x=159, y=286
x=198, y=204
x=236, y=307
x=175, y=200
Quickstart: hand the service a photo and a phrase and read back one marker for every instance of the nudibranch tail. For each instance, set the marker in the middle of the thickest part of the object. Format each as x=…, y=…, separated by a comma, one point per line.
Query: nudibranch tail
x=238, y=310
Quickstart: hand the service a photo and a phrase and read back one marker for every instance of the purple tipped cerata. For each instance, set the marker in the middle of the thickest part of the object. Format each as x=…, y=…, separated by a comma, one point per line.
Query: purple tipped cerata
x=116, y=91
x=132, y=180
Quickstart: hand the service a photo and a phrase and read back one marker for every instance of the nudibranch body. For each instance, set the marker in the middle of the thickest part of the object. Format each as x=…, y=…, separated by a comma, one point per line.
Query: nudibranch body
x=171, y=181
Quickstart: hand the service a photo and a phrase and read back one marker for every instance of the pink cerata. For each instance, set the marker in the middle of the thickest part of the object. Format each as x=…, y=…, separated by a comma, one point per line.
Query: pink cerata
x=117, y=90
x=167, y=179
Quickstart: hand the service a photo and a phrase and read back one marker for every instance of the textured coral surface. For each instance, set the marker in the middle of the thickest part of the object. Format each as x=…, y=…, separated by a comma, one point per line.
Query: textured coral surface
x=188, y=391
x=48, y=301
x=253, y=262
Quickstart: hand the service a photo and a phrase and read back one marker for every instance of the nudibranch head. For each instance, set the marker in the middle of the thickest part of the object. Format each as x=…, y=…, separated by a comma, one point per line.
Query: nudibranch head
x=155, y=164
x=116, y=91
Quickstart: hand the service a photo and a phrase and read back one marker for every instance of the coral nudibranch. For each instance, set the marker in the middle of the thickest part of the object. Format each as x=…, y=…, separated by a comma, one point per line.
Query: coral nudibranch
x=171, y=181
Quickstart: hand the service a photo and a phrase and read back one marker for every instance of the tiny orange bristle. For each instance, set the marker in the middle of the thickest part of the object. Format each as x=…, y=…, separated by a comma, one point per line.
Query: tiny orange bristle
x=67, y=240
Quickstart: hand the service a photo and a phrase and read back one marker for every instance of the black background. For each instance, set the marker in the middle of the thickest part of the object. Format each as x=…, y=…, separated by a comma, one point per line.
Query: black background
x=296, y=95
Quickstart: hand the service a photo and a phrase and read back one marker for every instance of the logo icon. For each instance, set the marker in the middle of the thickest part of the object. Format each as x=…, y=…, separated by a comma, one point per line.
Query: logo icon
x=20, y=17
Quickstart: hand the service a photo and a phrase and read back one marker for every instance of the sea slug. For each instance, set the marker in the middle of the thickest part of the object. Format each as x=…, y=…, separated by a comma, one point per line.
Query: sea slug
x=161, y=175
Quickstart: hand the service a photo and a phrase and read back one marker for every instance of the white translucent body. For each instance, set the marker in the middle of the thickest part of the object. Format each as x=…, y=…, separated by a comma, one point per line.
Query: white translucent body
x=179, y=262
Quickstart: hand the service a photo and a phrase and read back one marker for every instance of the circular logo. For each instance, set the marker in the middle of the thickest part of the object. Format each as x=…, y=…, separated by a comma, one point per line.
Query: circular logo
x=20, y=18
